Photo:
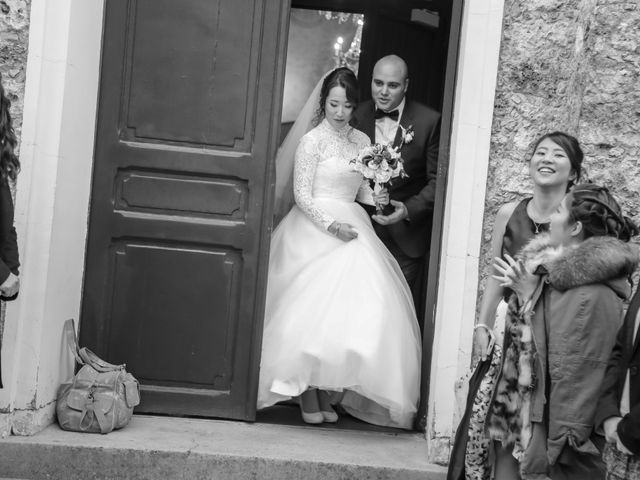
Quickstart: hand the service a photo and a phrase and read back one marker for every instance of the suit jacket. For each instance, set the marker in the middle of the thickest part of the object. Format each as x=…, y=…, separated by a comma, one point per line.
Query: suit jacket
x=417, y=191
x=624, y=358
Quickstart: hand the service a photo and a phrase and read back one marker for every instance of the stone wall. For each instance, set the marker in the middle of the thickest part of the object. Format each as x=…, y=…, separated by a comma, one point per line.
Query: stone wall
x=571, y=65
x=14, y=37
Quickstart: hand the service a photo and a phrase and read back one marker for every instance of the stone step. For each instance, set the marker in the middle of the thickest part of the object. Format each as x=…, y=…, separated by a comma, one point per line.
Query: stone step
x=178, y=448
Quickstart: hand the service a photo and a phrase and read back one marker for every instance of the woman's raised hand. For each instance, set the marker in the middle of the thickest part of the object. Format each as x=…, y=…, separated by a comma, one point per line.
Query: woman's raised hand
x=344, y=231
x=514, y=275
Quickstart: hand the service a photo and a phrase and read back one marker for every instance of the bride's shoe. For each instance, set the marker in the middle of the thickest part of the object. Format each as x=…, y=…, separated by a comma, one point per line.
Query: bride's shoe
x=328, y=413
x=314, y=417
x=329, y=416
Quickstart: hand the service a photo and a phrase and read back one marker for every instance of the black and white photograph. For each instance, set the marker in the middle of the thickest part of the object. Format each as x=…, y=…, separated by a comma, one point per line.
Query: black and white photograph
x=320, y=239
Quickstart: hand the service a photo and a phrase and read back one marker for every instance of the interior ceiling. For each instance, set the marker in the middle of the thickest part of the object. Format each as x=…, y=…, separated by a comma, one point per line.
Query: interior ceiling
x=434, y=5
x=442, y=6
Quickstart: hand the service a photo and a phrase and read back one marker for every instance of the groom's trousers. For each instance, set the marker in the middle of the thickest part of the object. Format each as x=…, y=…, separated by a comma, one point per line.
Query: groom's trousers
x=414, y=270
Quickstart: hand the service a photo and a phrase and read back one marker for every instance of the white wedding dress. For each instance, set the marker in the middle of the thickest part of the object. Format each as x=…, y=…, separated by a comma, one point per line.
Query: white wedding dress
x=339, y=315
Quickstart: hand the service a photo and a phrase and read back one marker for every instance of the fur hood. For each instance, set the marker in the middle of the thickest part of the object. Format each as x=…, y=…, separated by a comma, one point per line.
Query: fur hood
x=596, y=260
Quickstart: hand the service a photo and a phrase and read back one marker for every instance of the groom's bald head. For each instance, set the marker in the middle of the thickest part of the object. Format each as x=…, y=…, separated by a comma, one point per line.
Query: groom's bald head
x=392, y=63
x=389, y=82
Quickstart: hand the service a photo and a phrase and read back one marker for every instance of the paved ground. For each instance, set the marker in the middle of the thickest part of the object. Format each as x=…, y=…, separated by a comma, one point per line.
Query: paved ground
x=163, y=447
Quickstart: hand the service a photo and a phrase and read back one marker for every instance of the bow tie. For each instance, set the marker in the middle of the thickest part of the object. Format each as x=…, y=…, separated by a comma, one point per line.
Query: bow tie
x=393, y=114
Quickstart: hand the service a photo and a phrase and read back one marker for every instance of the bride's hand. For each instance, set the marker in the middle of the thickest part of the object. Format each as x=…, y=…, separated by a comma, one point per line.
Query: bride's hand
x=343, y=231
x=381, y=198
x=514, y=275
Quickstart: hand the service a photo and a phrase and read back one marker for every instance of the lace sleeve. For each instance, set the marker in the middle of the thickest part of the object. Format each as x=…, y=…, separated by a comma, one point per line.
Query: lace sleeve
x=304, y=171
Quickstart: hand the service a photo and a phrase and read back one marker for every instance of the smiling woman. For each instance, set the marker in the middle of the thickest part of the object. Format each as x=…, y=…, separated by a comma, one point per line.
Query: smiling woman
x=556, y=156
x=554, y=166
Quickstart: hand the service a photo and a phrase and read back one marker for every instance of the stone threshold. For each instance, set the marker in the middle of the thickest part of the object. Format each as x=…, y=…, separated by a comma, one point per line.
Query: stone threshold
x=182, y=448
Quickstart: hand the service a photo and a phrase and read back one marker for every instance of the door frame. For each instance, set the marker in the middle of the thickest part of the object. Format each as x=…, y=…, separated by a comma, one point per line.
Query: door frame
x=455, y=300
x=435, y=250
x=269, y=199
x=52, y=204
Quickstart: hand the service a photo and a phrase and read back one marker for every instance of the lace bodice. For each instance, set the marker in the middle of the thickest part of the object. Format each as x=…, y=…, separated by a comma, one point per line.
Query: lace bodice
x=322, y=169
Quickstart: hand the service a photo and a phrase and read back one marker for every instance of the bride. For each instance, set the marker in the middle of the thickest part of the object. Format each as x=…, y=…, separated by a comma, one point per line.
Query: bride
x=340, y=325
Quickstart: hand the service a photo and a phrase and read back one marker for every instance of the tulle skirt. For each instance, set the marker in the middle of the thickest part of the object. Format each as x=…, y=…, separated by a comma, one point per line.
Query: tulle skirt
x=340, y=317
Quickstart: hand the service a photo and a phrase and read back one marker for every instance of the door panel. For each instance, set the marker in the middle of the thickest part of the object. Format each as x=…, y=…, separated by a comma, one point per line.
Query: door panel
x=187, y=350
x=181, y=198
x=199, y=71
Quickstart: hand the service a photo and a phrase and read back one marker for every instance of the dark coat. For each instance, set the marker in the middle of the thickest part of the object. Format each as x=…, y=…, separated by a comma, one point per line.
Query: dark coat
x=9, y=260
x=624, y=358
x=557, y=357
x=417, y=191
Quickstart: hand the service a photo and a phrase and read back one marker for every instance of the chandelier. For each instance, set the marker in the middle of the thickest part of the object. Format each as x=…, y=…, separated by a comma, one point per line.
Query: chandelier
x=342, y=17
x=351, y=57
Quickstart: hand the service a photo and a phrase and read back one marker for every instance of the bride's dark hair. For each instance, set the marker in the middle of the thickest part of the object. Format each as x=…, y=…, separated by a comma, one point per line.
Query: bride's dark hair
x=340, y=77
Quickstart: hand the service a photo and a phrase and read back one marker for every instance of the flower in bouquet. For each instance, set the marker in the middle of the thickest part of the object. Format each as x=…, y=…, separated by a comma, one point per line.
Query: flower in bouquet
x=380, y=164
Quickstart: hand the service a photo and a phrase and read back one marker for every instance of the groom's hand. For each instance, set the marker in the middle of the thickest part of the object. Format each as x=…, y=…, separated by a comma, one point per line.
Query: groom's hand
x=399, y=214
x=381, y=198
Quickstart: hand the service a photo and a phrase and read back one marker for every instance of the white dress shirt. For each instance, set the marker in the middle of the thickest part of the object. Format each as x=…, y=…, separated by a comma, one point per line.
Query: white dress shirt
x=386, y=128
x=625, y=401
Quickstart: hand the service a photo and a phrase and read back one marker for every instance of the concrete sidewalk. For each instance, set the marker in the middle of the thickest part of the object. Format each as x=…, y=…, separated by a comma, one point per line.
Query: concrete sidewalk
x=162, y=447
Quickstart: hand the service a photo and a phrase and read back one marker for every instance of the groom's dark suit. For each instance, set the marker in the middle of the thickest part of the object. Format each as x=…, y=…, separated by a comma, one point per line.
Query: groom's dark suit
x=408, y=240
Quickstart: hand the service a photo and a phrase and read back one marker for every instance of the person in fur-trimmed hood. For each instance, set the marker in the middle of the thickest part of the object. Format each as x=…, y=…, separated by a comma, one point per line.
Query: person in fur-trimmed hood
x=564, y=314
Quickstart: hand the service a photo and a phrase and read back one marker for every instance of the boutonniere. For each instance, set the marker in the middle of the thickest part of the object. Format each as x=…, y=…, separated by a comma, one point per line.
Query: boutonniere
x=407, y=135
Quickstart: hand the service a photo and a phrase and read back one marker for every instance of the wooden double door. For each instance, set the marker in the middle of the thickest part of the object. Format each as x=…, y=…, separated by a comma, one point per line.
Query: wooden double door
x=189, y=108
x=181, y=206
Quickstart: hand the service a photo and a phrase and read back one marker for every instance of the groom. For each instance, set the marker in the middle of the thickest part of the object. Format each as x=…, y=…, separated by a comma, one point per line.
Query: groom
x=406, y=230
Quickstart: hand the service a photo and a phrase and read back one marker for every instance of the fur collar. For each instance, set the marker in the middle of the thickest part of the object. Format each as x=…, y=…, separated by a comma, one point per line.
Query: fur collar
x=596, y=260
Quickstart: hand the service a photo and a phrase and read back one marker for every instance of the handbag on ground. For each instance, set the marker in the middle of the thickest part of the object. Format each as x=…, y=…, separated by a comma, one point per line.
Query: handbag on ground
x=100, y=397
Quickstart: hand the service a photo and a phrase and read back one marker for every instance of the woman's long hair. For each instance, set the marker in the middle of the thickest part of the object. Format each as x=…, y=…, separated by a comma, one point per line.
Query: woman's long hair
x=9, y=163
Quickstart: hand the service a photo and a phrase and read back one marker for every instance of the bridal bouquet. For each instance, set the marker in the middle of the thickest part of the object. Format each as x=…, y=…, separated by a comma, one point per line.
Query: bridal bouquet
x=380, y=164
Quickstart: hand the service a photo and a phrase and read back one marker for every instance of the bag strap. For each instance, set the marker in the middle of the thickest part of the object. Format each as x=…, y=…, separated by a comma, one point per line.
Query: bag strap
x=84, y=356
x=97, y=363
x=102, y=421
x=86, y=417
x=72, y=340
